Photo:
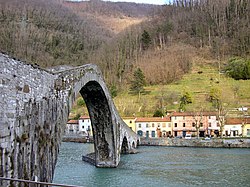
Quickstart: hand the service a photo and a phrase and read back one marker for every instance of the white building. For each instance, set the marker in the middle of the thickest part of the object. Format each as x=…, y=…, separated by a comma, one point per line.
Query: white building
x=85, y=127
x=233, y=127
x=72, y=127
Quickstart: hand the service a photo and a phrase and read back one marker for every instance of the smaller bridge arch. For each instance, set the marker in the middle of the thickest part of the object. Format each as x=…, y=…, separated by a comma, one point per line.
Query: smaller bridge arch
x=125, y=146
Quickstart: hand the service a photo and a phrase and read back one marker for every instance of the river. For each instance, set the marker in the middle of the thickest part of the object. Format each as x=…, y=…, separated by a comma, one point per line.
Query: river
x=157, y=166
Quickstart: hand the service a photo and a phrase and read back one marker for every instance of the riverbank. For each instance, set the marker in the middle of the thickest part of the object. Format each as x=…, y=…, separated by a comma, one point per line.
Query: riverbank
x=213, y=143
x=177, y=142
x=77, y=139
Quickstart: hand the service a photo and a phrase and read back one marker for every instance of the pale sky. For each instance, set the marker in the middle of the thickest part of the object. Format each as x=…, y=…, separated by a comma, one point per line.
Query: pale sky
x=156, y=2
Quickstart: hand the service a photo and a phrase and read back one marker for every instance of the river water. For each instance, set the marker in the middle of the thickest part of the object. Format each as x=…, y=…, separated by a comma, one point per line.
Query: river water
x=157, y=166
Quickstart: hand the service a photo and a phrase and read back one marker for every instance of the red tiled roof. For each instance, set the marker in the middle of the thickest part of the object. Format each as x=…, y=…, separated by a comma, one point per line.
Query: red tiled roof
x=234, y=121
x=128, y=117
x=153, y=119
x=73, y=121
x=193, y=113
x=84, y=117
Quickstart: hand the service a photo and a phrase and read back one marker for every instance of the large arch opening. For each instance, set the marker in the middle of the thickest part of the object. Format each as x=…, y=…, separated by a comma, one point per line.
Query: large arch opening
x=124, y=149
x=101, y=121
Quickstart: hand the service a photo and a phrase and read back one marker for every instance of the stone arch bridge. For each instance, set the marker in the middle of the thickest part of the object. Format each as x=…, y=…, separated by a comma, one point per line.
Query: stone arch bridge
x=34, y=108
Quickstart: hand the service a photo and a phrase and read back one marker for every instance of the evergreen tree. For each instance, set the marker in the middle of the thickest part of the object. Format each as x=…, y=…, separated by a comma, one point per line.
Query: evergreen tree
x=137, y=84
x=186, y=98
x=146, y=40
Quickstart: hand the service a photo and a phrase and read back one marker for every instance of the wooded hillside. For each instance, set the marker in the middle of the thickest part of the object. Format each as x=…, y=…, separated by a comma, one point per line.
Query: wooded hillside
x=164, y=45
x=120, y=37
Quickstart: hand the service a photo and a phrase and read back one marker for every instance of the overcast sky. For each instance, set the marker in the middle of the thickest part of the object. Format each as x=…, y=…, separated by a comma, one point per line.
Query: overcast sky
x=156, y=2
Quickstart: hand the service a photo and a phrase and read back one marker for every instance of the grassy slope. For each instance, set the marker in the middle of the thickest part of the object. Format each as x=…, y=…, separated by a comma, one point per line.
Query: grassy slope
x=198, y=84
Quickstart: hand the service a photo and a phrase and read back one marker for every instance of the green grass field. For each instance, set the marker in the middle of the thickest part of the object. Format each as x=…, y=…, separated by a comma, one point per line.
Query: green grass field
x=198, y=83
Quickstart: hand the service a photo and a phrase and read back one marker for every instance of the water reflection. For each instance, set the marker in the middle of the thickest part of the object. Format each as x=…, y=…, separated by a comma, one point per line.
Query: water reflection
x=157, y=166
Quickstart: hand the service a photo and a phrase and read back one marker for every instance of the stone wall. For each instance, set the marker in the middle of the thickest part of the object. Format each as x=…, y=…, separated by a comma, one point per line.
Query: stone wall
x=34, y=110
x=33, y=115
x=213, y=143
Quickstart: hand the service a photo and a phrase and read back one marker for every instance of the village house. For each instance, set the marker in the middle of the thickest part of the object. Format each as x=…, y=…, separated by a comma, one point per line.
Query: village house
x=194, y=123
x=72, y=127
x=246, y=128
x=130, y=121
x=85, y=127
x=237, y=127
x=153, y=127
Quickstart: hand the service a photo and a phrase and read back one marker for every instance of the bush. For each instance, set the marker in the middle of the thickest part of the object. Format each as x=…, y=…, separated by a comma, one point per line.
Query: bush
x=238, y=68
x=113, y=91
x=158, y=113
x=80, y=102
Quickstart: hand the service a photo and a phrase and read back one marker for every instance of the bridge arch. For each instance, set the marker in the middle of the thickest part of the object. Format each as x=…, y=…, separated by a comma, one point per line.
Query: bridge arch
x=100, y=115
x=125, y=146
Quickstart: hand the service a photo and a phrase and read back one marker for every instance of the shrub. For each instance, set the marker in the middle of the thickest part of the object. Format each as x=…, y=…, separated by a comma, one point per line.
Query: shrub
x=238, y=68
x=158, y=113
x=80, y=102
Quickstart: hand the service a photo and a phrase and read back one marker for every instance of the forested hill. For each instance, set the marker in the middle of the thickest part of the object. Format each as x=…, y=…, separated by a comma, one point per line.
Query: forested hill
x=120, y=37
x=52, y=32
x=114, y=9
x=164, y=46
x=113, y=16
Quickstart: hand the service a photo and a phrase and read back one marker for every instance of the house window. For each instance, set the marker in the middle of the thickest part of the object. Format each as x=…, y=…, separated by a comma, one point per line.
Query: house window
x=153, y=134
x=82, y=127
x=164, y=125
x=159, y=125
x=193, y=124
x=184, y=124
x=175, y=124
x=248, y=132
x=210, y=125
x=147, y=125
x=139, y=125
x=130, y=122
x=209, y=117
x=183, y=117
x=169, y=125
x=201, y=124
x=153, y=125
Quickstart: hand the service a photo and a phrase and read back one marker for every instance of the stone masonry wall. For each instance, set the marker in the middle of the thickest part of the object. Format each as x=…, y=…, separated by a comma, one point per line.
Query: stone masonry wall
x=32, y=118
x=34, y=108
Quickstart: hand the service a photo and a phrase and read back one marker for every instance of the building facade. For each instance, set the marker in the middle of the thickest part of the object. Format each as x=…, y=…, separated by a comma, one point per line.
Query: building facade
x=194, y=123
x=130, y=121
x=85, y=127
x=72, y=127
x=154, y=127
